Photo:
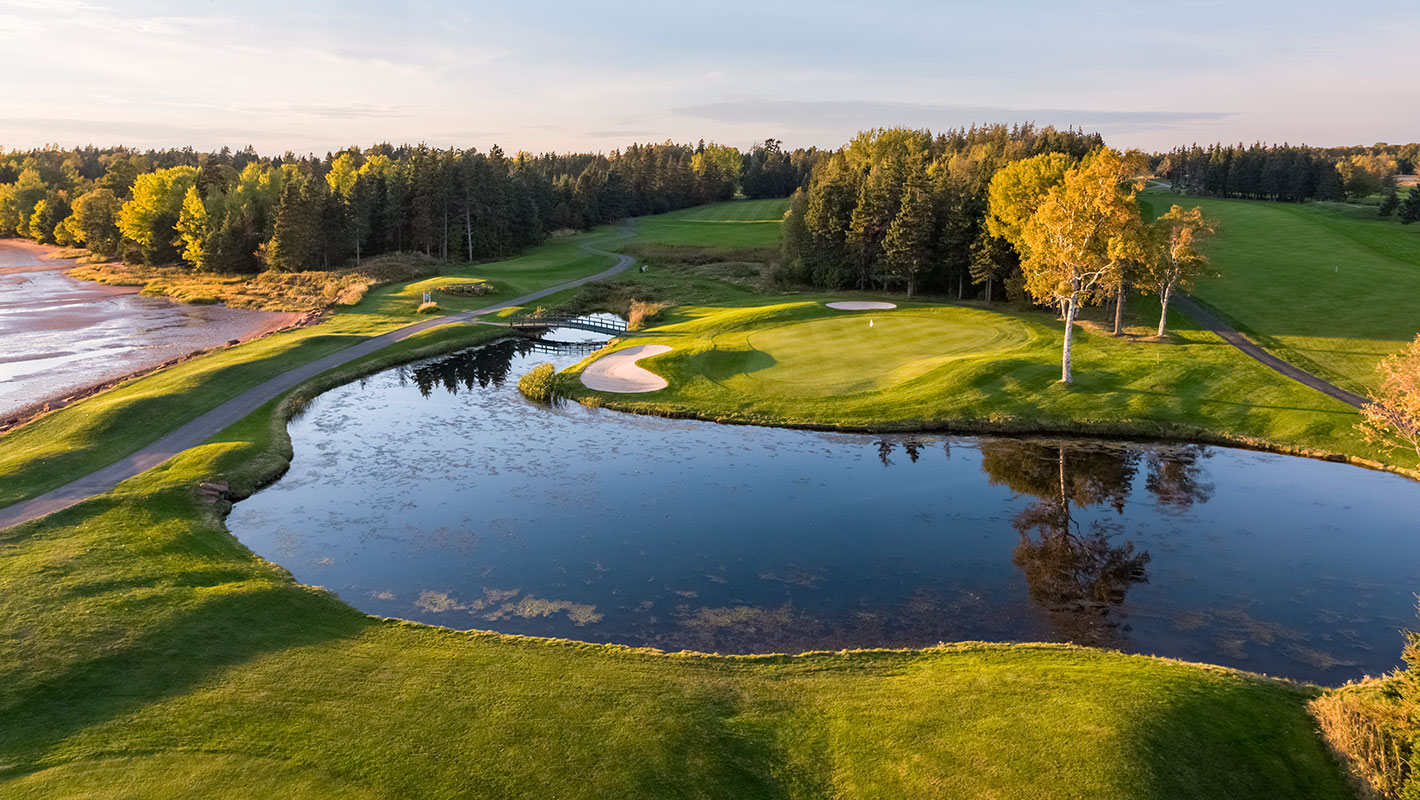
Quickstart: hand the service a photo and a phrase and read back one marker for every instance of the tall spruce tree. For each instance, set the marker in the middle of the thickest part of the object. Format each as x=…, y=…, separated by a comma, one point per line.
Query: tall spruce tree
x=1390, y=201
x=1410, y=209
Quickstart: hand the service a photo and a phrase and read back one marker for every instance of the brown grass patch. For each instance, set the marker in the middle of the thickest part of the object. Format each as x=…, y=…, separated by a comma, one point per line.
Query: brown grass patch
x=310, y=290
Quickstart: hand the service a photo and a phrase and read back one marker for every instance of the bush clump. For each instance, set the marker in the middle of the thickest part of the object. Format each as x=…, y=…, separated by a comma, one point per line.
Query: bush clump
x=642, y=312
x=475, y=289
x=430, y=307
x=536, y=385
x=1373, y=727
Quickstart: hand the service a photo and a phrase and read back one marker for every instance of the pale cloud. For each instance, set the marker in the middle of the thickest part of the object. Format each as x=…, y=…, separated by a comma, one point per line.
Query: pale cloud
x=543, y=75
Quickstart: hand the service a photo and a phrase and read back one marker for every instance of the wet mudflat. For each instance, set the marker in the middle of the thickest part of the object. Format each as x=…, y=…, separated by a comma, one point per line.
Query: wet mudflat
x=59, y=335
x=435, y=492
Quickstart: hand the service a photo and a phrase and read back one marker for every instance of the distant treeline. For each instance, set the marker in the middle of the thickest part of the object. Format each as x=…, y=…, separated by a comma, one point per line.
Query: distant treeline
x=1286, y=173
x=903, y=207
x=239, y=212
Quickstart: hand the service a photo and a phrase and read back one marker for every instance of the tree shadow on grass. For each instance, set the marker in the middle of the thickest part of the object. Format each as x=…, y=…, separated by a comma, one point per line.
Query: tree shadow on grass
x=1238, y=741
x=167, y=660
x=711, y=751
x=177, y=641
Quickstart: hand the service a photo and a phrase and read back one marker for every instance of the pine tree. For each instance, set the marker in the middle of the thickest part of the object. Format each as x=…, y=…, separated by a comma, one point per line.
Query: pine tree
x=907, y=247
x=293, y=243
x=1390, y=201
x=1410, y=209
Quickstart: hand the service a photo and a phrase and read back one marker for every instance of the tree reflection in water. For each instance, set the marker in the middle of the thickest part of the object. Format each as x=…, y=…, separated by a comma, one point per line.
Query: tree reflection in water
x=479, y=366
x=1080, y=575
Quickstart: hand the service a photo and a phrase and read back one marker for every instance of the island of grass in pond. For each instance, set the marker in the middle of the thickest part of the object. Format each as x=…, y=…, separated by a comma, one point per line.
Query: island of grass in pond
x=434, y=492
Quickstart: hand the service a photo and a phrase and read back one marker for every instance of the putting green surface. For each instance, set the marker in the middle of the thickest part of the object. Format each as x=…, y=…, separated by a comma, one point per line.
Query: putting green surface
x=844, y=354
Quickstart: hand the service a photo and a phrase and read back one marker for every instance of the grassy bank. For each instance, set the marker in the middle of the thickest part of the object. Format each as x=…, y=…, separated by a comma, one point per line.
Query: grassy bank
x=1327, y=286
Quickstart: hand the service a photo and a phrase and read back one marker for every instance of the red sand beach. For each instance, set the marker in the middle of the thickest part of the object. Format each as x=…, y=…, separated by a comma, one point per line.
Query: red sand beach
x=60, y=336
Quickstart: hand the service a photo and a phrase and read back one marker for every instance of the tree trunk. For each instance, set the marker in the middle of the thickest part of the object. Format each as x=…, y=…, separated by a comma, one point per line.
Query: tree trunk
x=909, y=288
x=468, y=233
x=1065, y=374
x=1164, y=310
x=357, y=248
x=961, y=287
x=988, y=289
x=1119, y=309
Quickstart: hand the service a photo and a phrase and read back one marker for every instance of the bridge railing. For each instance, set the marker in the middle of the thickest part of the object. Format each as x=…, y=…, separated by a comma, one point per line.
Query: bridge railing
x=611, y=325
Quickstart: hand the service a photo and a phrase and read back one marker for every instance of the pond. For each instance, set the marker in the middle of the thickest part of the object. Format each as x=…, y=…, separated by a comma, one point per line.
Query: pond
x=435, y=492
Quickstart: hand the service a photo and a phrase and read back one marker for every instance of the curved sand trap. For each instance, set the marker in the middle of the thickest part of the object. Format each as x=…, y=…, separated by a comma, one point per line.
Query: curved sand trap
x=861, y=305
x=618, y=372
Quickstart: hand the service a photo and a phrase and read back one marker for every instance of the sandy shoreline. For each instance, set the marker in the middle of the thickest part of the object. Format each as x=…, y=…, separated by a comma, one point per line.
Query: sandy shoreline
x=62, y=339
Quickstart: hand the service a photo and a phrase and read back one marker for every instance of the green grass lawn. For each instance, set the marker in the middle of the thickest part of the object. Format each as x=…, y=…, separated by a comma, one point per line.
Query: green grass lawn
x=793, y=361
x=1327, y=286
x=749, y=224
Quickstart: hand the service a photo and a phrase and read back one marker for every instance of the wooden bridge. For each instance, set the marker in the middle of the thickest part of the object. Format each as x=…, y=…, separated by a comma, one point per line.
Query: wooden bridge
x=558, y=348
x=605, y=323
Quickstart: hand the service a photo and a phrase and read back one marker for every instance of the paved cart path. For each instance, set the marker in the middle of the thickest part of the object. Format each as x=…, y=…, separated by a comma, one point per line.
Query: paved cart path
x=209, y=424
x=1233, y=337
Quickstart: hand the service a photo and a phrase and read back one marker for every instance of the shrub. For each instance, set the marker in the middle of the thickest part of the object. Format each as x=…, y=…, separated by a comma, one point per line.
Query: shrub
x=475, y=289
x=430, y=307
x=536, y=385
x=642, y=312
x=1373, y=727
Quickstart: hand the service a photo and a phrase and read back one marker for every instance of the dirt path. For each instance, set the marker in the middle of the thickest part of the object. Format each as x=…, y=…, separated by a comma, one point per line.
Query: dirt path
x=1230, y=335
x=211, y=423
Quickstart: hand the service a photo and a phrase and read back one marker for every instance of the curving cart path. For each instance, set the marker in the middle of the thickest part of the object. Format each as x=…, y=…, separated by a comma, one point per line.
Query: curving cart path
x=209, y=424
x=1235, y=338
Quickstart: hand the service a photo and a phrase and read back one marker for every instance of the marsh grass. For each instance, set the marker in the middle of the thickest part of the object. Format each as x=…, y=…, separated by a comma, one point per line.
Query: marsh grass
x=1371, y=728
x=641, y=312
x=268, y=291
x=537, y=383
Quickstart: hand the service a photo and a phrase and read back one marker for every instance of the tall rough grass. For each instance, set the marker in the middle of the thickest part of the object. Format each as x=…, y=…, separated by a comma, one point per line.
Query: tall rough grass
x=1373, y=728
x=536, y=385
x=642, y=312
x=268, y=291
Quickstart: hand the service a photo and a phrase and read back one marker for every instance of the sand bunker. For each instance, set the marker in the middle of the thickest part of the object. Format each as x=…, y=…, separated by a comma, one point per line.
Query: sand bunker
x=618, y=372
x=861, y=305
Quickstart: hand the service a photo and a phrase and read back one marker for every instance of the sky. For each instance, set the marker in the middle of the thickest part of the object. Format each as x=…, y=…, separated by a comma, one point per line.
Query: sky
x=540, y=76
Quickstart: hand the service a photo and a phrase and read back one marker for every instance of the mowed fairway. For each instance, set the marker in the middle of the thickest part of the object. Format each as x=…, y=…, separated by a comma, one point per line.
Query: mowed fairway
x=844, y=353
x=751, y=224
x=1326, y=286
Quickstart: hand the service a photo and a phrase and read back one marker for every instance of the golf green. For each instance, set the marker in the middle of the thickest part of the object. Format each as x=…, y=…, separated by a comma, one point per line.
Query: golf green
x=867, y=351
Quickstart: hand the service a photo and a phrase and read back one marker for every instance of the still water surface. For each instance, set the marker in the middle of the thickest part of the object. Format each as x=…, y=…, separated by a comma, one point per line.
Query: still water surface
x=435, y=492
x=59, y=335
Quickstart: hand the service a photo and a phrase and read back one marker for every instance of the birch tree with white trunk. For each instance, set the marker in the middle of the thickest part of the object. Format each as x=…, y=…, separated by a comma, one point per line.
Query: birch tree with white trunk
x=1074, y=238
x=1174, y=260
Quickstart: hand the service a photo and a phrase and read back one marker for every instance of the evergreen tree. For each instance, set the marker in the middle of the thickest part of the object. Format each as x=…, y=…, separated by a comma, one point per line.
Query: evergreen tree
x=907, y=246
x=293, y=242
x=1390, y=201
x=1410, y=209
